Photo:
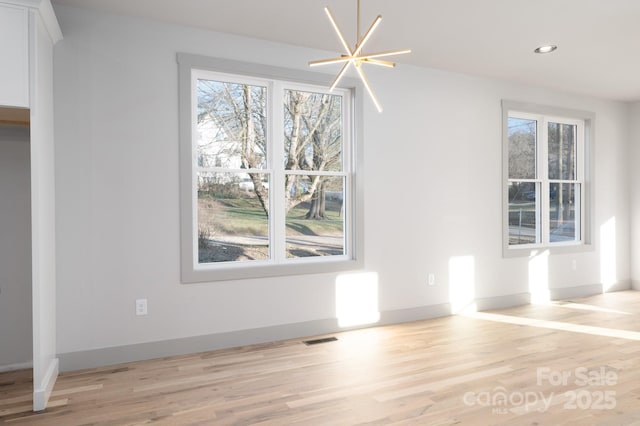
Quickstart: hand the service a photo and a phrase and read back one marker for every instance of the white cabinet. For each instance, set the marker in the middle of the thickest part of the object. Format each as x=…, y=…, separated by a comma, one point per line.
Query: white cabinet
x=28, y=31
x=14, y=56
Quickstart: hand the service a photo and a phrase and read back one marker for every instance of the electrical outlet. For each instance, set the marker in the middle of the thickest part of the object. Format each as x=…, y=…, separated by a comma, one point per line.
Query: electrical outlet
x=431, y=278
x=141, y=307
x=574, y=264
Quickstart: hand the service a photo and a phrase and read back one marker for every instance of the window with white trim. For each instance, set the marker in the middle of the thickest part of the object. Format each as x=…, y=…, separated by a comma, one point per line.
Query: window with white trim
x=271, y=176
x=545, y=179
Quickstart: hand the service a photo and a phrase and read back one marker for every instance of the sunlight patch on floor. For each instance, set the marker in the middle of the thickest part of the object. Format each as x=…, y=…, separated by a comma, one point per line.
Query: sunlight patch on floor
x=555, y=325
x=582, y=307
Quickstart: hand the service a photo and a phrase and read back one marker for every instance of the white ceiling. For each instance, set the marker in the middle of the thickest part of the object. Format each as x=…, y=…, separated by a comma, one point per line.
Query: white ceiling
x=598, y=39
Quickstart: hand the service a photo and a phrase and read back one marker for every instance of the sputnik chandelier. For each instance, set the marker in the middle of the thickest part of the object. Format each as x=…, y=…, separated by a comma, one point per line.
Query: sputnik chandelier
x=355, y=56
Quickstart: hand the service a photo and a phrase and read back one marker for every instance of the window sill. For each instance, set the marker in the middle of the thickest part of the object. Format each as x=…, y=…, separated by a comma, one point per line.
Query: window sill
x=214, y=273
x=532, y=250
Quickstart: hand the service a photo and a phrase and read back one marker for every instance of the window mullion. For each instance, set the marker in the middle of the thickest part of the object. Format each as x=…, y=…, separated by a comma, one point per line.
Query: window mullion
x=580, y=177
x=544, y=175
x=277, y=219
x=348, y=157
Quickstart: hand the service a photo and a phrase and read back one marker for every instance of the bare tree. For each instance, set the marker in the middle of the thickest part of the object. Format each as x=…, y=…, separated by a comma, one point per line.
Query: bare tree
x=562, y=158
x=313, y=142
x=238, y=113
x=313, y=138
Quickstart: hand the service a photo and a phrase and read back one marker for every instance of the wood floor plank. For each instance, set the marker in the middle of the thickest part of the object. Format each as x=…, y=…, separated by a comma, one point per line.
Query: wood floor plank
x=466, y=370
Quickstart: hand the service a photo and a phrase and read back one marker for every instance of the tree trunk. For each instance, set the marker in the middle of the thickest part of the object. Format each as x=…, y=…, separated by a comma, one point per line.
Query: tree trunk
x=248, y=154
x=317, y=209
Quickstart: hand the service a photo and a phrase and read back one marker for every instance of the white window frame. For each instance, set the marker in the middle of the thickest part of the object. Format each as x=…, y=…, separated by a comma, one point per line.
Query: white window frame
x=193, y=67
x=543, y=115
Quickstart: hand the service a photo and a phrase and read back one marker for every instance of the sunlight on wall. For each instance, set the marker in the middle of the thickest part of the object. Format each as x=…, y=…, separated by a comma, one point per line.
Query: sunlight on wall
x=539, y=277
x=608, y=276
x=462, y=291
x=357, y=299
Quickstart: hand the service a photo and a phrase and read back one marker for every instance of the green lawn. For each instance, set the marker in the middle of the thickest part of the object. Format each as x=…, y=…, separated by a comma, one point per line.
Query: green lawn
x=245, y=216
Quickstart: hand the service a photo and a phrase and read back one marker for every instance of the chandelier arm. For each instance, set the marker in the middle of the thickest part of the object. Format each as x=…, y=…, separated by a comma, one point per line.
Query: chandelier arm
x=387, y=53
x=368, y=87
x=339, y=76
x=368, y=34
x=372, y=61
x=345, y=58
x=337, y=30
x=339, y=60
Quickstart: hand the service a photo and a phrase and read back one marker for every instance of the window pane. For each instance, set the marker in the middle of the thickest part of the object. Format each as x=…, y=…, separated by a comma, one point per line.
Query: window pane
x=312, y=131
x=315, y=216
x=562, y=212
x=523, y=216
x=233, y=217
x=231, y=125
x=562, y=151
x=522, y=148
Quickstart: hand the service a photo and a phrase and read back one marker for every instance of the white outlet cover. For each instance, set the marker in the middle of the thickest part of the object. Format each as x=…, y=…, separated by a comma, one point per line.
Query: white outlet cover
x=141, y=307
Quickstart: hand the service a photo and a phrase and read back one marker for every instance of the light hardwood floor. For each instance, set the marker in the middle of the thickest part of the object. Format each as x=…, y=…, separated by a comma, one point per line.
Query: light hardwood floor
x=451, y=370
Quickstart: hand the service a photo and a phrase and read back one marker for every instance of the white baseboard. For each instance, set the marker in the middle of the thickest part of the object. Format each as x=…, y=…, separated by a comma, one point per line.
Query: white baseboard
x=42, y=393
x=620, y=286
x=100, y=357
x=586, y=290
x=14, y=367
x=501, y=302
x=71, y=361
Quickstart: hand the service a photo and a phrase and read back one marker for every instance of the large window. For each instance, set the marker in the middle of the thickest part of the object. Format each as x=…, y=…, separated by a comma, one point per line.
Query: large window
x=270, y=176
x=546, y=171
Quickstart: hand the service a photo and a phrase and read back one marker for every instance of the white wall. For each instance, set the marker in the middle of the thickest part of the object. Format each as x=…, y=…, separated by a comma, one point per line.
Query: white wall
x=15, y=248
x=439, y=138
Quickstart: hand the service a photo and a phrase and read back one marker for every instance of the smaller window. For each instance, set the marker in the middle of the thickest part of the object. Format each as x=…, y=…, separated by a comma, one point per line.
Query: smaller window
x=546, y=172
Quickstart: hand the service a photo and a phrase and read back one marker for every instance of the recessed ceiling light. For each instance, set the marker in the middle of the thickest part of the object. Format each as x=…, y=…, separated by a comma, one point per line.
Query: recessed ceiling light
x=547, y=48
